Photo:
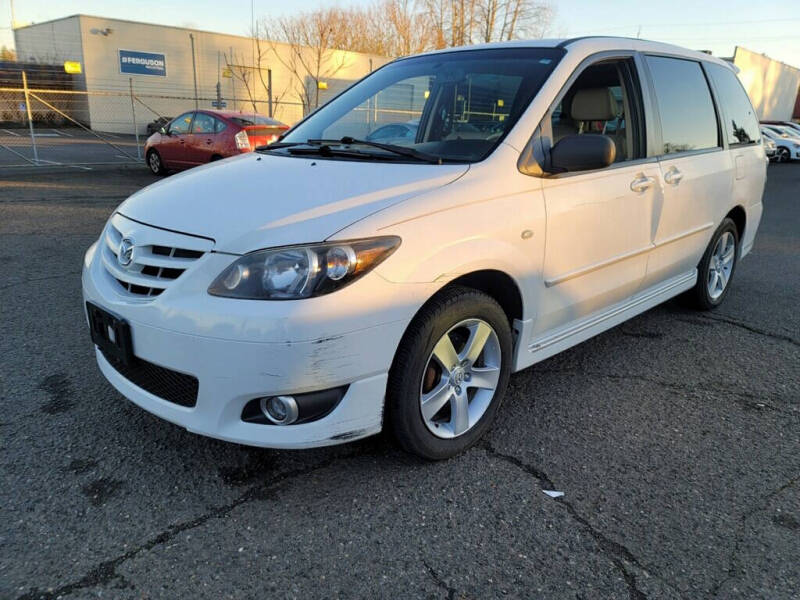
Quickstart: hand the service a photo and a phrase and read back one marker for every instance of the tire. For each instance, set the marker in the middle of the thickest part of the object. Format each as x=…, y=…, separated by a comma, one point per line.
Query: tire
x=783, y=155
x=715, y=268
x=155, y=164
x=463, y=315
x=215, y=157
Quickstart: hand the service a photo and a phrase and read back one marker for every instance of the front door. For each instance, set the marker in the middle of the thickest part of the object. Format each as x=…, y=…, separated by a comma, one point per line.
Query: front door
x=173, y=145
x=600, y=222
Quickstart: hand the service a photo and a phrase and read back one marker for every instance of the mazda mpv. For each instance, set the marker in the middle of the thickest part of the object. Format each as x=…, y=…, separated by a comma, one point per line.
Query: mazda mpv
x=332, y=285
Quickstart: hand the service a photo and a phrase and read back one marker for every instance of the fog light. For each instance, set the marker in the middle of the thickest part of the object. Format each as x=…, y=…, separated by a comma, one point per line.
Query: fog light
x=281, y=410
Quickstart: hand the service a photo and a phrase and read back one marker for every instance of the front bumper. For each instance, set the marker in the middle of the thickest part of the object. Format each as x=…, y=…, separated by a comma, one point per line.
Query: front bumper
x=243, y=349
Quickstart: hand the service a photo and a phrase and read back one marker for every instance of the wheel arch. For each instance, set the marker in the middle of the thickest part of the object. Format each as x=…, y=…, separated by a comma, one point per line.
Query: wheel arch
x=498, y=285
x=739, y=216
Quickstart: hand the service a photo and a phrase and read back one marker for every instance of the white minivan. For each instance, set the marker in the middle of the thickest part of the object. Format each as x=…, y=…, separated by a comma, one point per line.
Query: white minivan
x=330, y=285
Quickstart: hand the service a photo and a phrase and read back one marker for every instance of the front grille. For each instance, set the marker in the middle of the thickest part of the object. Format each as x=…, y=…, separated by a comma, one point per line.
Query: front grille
x=167, y=384
x=153, y=266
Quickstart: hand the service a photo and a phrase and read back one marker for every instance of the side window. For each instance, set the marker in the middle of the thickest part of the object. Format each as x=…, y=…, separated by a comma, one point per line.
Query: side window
x=688, y=118
x=603, y=100
x=219, y=125
x=203, y=123
x=181, y=124
x=741, y=124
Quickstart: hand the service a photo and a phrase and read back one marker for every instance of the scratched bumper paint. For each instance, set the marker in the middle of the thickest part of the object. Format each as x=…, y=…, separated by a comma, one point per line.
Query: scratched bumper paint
x=354, y=346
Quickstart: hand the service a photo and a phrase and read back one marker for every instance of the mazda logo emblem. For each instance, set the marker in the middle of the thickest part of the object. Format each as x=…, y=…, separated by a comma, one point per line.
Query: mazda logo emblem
x=125, y=254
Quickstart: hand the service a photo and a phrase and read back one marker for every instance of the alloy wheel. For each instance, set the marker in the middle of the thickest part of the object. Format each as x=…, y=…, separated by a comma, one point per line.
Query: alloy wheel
x=460, y=378
x=155, y=162
x=720, y=265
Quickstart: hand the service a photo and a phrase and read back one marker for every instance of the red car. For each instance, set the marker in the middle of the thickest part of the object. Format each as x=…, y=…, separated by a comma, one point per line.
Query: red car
x=202, y=136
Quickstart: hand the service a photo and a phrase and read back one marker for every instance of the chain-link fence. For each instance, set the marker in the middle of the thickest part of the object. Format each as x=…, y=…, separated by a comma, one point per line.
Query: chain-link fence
x=46, y=127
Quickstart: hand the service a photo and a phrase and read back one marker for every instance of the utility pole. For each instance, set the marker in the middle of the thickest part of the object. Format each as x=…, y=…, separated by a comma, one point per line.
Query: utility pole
x=219, y=85
x=269, y=90
x=233, y=79
x=194, y=71
x=30, y=117
x=135, y=129
x=13, y=20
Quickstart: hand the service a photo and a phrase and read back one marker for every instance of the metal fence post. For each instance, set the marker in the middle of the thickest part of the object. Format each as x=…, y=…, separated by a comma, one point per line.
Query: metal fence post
x=135, y=128
x=30, y=116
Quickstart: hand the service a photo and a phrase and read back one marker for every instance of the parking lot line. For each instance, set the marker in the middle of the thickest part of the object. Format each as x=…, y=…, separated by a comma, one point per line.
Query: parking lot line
x=59, y=132
x=11, y=133
x=17, y=153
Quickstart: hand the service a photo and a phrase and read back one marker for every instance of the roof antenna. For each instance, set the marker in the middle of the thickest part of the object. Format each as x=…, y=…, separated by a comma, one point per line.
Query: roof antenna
x=639, y=32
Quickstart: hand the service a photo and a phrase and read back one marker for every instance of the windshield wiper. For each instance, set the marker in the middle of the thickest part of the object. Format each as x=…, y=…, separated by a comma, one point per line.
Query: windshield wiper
x=325, y=150
x=401, y=150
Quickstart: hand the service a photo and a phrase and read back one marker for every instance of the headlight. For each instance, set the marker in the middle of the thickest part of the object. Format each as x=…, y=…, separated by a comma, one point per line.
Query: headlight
x=294, y=272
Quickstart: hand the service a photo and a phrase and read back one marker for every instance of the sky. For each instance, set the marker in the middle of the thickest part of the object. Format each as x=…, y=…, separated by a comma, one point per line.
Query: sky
x=772, y=28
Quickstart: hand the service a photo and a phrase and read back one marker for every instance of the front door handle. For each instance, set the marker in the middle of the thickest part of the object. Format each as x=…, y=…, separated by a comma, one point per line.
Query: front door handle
x=673, y=176
x=642, y=183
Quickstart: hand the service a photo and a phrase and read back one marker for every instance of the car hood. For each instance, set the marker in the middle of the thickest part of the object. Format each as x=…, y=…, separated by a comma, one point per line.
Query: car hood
x=260, y=200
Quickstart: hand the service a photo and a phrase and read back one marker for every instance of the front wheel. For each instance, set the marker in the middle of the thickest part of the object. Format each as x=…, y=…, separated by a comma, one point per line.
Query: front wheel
x=716, y=268
x=155, y=163
x=784, y=155
x=449, y=374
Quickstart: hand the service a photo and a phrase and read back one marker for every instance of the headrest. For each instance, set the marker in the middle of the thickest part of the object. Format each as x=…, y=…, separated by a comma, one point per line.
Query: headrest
x=594, y=104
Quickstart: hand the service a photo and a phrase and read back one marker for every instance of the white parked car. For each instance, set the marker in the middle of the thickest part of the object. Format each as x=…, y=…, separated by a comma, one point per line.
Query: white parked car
x=329, y=285
x=787, y=147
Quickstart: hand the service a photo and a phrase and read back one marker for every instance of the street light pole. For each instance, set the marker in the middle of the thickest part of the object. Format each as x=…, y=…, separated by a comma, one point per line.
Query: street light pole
x=194, y=71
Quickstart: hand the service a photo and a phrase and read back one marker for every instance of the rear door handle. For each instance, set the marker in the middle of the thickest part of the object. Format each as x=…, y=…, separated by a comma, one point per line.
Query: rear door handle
x=642, y=183
x=673, y=176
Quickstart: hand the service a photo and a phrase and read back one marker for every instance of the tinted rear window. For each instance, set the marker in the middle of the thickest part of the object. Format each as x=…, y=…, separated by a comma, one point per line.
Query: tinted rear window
x=248, y=120
x=688, y=119
x=741, y=124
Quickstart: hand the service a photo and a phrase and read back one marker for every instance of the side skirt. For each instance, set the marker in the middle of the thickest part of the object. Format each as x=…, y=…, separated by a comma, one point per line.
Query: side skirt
x=552, y=343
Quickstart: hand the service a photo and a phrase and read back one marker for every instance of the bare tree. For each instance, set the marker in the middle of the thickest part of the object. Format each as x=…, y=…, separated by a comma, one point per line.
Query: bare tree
x=244, y=75
x=313, y=48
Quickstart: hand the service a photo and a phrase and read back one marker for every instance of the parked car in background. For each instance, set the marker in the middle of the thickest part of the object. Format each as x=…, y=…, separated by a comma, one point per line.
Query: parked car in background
x=330, y=285
x=794, y=127
x=783, y=131
x=770, y=148
x=788, y=148
x=157, y=124
x=395, y=133
x=203, y=136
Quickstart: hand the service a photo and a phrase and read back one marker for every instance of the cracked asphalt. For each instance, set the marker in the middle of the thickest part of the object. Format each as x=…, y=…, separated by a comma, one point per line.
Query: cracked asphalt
x=675, y=438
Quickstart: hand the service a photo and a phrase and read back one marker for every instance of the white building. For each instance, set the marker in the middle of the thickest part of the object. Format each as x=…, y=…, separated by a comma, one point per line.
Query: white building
x=773, y=86
x=168, y=67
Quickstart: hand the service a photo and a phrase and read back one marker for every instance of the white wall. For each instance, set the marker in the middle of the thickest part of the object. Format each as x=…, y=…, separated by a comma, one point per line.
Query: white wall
x=771, y=85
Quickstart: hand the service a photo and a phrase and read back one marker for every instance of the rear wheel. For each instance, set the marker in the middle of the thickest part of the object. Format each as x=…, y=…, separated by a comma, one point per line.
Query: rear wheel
x=450, y=373
x=155, y=163
x=783, y=155
x=716, y=268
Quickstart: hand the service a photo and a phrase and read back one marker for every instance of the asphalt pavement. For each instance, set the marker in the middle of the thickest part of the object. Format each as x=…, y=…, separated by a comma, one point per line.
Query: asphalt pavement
x=675, y=438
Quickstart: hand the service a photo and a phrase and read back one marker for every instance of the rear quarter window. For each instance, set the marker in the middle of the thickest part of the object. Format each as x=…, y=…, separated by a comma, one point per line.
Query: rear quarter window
x=741, y=124
x=686, y=111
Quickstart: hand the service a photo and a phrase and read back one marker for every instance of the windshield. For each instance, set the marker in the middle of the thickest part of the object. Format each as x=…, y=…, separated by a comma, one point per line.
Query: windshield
x=454, y=106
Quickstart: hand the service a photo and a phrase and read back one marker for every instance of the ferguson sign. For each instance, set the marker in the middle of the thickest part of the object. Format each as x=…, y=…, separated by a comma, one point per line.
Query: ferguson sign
x=133, y=62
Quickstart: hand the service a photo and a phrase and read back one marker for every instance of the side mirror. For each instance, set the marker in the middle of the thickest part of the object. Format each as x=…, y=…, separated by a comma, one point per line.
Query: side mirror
x=163, y=131
x=582, y=153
